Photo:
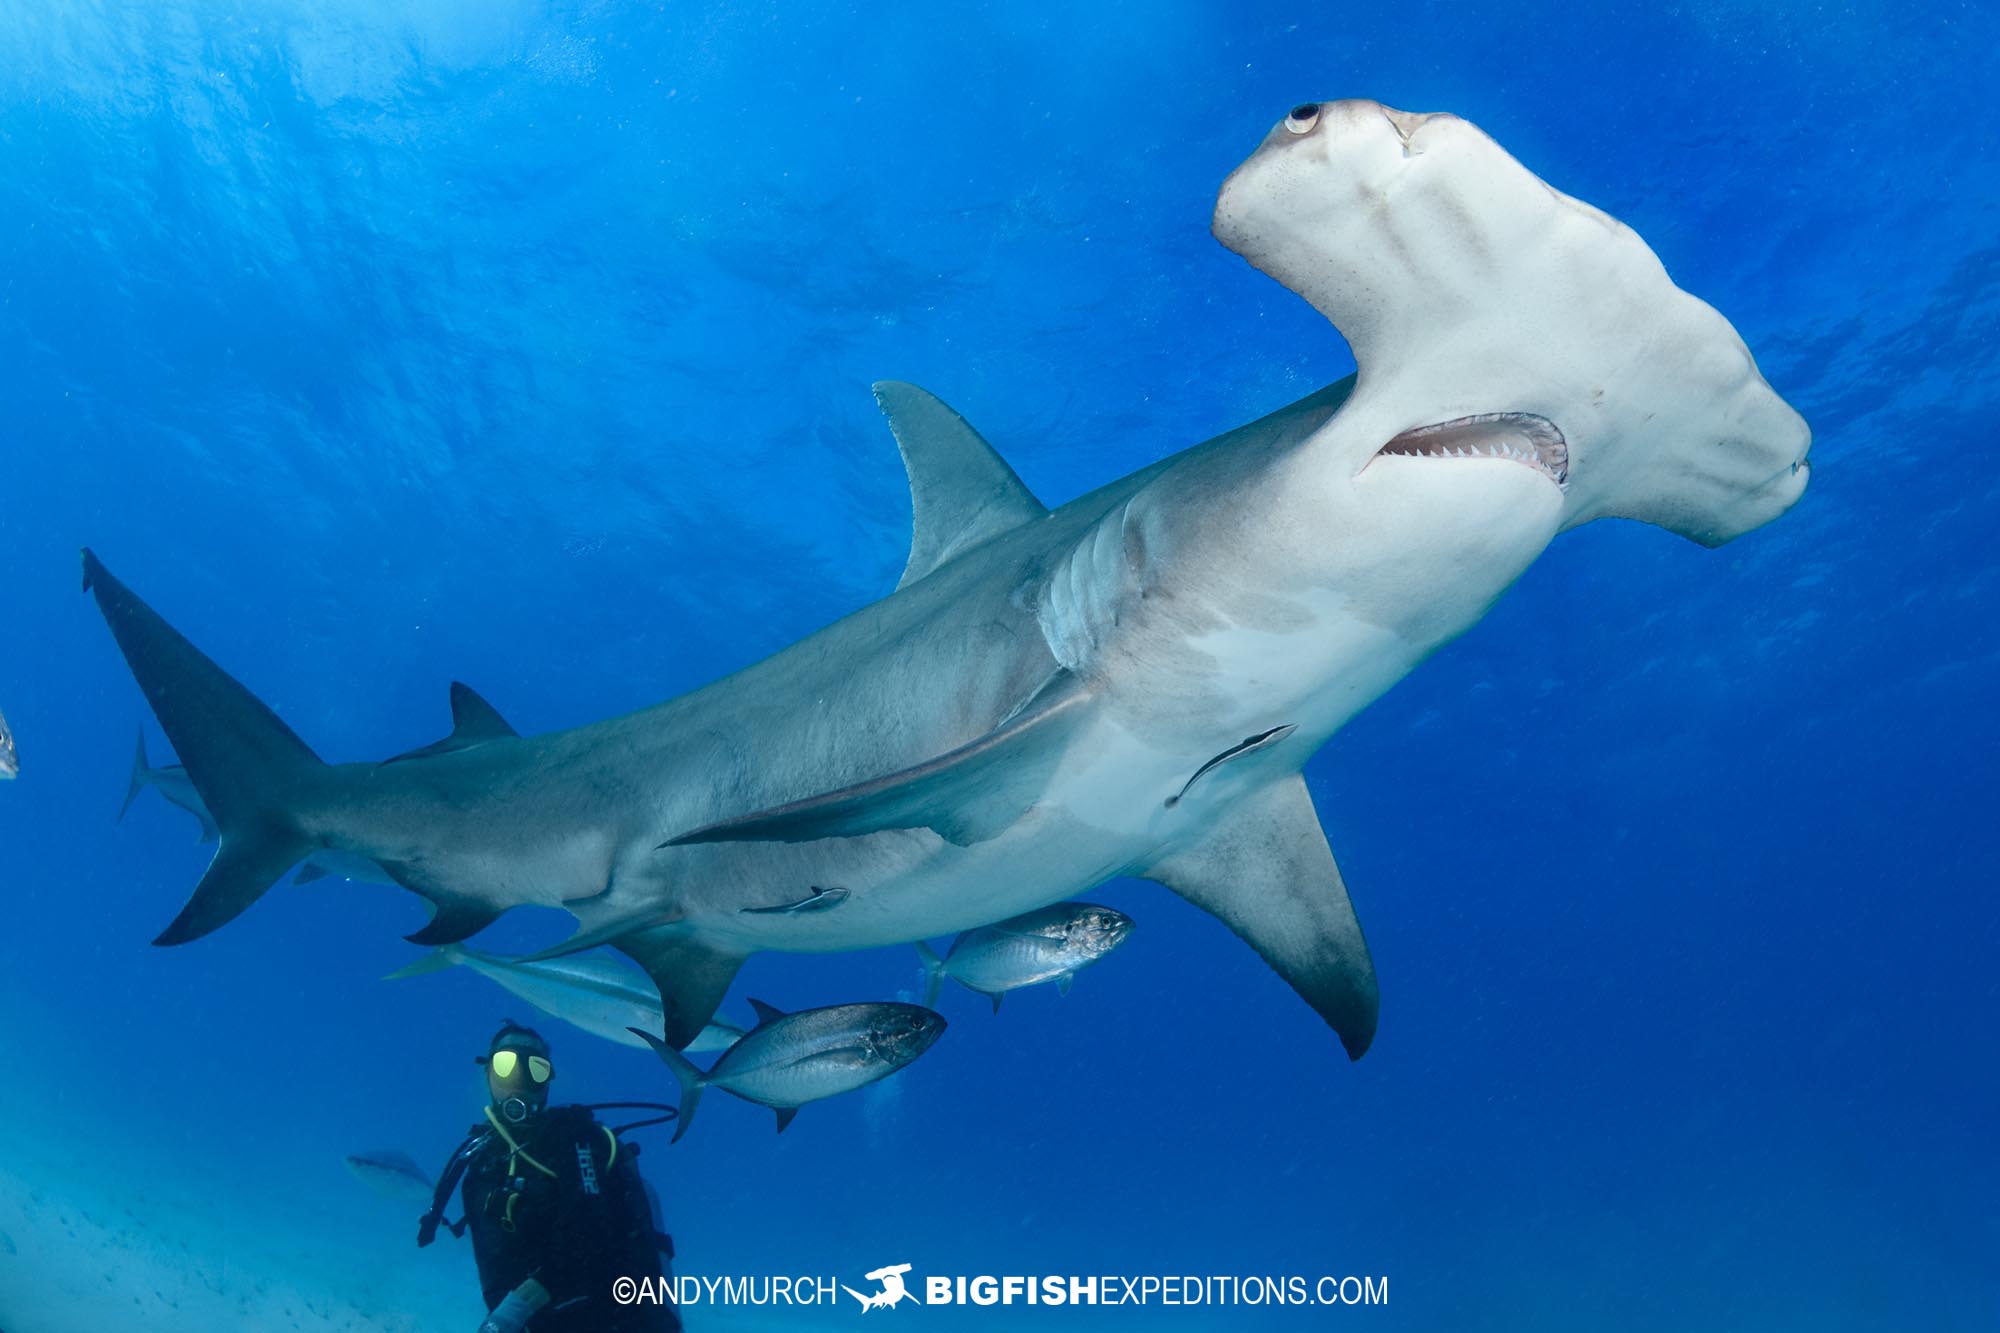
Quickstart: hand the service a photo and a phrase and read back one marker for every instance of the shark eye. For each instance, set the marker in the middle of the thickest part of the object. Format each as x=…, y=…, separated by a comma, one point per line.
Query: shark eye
x=1302, y=118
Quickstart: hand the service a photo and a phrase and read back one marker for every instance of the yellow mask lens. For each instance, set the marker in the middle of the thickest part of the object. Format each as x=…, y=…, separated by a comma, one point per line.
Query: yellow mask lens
x=503, y=1063
x=538, y=1069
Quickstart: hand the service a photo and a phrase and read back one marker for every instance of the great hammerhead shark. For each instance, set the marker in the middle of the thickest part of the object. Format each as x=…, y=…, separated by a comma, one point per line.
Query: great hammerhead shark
x=1127, y=684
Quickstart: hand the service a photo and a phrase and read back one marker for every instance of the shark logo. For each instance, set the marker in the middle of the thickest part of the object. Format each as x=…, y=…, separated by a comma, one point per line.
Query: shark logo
x=893, y=1291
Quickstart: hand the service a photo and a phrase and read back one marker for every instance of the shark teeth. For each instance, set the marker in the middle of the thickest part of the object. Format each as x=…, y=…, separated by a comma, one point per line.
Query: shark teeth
x=1517, y=437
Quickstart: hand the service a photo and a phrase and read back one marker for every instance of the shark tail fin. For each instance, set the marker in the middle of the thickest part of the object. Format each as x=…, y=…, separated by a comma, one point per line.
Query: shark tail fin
x=440, y=959
x=254, y=774
x=142, y=772
x=691, y=1079
x=933, y=973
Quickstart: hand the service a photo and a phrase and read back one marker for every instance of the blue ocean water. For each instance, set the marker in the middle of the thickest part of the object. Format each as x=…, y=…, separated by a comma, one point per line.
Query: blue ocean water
x=528, y=343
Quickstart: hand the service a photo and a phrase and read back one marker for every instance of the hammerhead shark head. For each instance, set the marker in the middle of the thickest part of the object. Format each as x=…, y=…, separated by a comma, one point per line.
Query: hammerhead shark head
x=1128, y=684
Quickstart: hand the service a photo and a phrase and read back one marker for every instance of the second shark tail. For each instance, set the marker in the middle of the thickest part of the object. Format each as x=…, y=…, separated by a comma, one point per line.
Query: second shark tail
x=691, y=1079
x=142, y=773
x=252, y=771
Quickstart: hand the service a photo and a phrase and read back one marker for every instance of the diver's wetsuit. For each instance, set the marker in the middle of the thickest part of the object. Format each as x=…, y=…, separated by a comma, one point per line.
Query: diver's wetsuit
x=575, y=1223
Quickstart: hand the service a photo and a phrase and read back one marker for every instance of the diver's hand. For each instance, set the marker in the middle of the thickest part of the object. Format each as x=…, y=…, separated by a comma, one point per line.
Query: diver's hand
x=514, y=1311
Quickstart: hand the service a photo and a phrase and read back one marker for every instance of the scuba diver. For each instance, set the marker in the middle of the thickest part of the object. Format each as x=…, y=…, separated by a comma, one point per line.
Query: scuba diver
x=556, y=1206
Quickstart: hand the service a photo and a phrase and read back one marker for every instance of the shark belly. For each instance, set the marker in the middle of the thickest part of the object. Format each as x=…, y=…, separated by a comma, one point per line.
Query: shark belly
x=1110, y=808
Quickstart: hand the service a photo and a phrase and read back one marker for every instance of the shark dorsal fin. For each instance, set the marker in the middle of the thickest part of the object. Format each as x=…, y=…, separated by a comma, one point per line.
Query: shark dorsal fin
x=766, y=1013
x=473, y=719
x=961, y=491
x=473, y=722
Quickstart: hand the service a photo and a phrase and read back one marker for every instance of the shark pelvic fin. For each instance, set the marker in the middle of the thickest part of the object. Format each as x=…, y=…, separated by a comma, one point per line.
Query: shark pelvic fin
x=961, y=491
x=1267, y=872
x=966, y=796
x=473, y=722
x=691, y=975
x=251, y=770
x=454, y=917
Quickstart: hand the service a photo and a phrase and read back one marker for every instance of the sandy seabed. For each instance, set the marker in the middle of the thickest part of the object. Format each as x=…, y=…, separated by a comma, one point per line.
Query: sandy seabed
x=128, y=1236
x=80, y=1253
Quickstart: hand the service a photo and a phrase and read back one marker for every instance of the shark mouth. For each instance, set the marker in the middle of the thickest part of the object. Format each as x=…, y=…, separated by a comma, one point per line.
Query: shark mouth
x=1517, y=436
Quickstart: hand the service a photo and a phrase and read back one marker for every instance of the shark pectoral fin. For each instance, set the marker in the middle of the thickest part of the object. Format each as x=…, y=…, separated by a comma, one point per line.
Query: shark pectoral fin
x=961, y=492
x=785, y=1115
x=1268, y=873
x=966, y=796
x=691, y=975
x=473, y=722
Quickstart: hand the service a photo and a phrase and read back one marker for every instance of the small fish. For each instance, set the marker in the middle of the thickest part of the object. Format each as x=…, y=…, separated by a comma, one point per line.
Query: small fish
x=391, y=1174
x=604, y=998
x=788, y=1060
x=10, y=758
x=819, y=900
x=1051, y=944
